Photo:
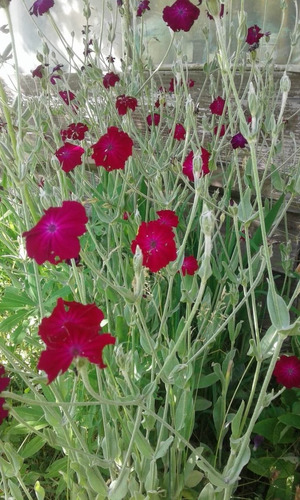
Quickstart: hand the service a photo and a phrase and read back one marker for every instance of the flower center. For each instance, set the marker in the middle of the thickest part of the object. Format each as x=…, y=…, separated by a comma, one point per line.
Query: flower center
x=52, y=228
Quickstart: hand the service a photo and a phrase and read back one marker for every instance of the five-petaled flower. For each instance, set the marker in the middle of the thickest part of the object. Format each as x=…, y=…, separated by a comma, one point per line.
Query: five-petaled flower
x=238, y=141
x=72, y=330
x=40, y=7
x=142, y=7
x=69, y=156
x=75, y=131
x=113, y=149
x=188, y=164
x=110, y=79
x=168, y=217
x=4, y=381
x=125, y=102
x=156, y=241
x=181, y=15
x=254, y=35
x=189, y=265
x=287, y=371
x=217, y=106
x=179, y=132
x=55, y=237
x=153, y=119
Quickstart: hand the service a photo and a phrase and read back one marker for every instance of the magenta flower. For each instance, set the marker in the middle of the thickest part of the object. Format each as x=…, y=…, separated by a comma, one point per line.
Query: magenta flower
x=123, y=103
x=287, y=371
x=189, y=266
x=67, y=96
x=217, y=106
x=38, y=71
x=110, y=79
x=55, y=237
x=142, y=7
x=4, y=381
x=53, y=79
x=168, y=217
x=179, y=132
x=238, y=141
x=75, y=131
x=188, y=164
x=69, y=156
x=40, y=7
x=113, y=149
x=153, y=119
x=69, y=313
x=181, y=15
x=222, y=130
x=72, y=330
x=156, y=241
x=254, y=35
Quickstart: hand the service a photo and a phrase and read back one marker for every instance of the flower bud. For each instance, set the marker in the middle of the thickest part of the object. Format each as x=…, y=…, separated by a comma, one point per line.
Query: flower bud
x=252, y=100
x=285, y=83
x=213, y=7
x=207, y=221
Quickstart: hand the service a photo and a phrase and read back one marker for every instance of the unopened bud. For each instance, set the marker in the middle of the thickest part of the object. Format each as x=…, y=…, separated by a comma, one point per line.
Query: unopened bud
x=207, y=221
x=252, y=100
x=285, y=83
x=213, y=7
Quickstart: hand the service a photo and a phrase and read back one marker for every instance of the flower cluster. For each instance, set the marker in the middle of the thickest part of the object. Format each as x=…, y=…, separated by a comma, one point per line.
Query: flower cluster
x=156, y=241
x=55, y=237
x=4, y=381
x=72, y=330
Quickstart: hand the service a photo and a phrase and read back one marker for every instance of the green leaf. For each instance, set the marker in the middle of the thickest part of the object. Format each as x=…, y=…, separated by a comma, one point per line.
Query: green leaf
x=163, y=448
x=184, y=406
x=12, y=321
x=265, y=428
x=12, y=300
x=141, y=442
x=56, y=467
x=202, y=404
x=15, y=490
x=278, y=310
x=207, y=380
x=118, y=489
x=269, y=219
x=290, y=419
x=32, y=447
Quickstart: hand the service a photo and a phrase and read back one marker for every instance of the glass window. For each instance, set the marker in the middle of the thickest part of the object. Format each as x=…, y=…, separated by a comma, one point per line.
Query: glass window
x=199, y=42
